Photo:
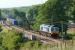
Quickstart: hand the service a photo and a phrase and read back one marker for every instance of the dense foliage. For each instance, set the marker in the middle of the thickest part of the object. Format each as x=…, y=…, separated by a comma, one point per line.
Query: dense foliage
x=55, y=11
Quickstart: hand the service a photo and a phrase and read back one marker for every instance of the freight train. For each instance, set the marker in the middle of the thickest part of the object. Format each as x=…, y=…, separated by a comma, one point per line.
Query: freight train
x=46, y=30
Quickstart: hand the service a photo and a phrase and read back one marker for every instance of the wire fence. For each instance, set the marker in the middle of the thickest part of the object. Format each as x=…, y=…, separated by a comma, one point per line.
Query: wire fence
x=66, y=45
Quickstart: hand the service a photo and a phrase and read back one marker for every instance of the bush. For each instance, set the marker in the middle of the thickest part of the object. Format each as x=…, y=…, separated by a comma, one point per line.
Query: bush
x=67, y=36
x=10, y=40
x=1, y=48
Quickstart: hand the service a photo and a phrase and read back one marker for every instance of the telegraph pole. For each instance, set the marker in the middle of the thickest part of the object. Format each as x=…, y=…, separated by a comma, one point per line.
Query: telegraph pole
x=61, y=28
x=52, y=17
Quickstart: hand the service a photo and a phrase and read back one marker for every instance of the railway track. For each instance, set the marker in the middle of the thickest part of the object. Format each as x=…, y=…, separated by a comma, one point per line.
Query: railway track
x=44, y=39
x=47, y=39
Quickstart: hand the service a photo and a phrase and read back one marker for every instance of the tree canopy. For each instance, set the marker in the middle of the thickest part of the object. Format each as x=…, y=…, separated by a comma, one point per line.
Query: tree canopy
x=55, y=11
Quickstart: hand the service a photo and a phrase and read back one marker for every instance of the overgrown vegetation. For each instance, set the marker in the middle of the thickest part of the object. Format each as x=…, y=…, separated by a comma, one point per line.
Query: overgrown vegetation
x=14, y=41
x=51, y=12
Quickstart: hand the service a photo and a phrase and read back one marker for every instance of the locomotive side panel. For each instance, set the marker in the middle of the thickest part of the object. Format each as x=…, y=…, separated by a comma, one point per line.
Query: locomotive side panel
x=49, y=28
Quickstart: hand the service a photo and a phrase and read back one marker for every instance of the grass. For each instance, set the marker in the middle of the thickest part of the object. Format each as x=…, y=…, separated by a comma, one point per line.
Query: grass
x=4, y=29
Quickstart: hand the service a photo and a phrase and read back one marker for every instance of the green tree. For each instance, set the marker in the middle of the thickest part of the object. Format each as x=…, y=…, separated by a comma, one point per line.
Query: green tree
x=0, y=14
x=54, y=11
x=45, y=13
x=10, y=40
x=1, y=48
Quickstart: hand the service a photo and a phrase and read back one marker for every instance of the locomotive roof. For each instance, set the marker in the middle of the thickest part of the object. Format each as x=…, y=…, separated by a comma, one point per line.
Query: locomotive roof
x=45, y=25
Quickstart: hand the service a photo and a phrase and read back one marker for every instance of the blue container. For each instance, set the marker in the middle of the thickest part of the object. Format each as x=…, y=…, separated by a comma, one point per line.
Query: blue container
x=14, y=22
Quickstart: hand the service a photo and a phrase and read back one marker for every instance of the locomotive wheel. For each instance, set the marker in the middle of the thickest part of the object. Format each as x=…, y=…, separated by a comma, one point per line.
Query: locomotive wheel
x=54, y=35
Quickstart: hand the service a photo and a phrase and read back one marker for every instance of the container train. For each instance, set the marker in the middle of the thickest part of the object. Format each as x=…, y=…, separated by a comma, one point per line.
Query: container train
x=49, y=30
